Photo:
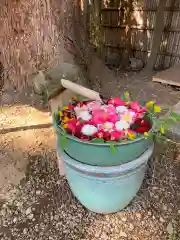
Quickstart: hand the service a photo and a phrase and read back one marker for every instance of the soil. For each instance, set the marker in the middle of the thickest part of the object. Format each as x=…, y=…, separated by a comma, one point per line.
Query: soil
x=37, y=204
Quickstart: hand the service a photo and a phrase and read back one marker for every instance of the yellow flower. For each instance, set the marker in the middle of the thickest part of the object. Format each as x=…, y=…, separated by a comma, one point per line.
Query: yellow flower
x=65, y=125
x=146, y=134
x=65, y=108
x=131, y=136
x=66, y=119
x=150, y=104
x=157, y=109
x=60, y=113
x=162, y=130
x=127, y=102
x=127, y=94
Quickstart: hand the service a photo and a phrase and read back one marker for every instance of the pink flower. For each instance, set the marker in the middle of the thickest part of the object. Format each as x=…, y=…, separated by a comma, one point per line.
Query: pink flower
x=116, y=102
x=135, y=106
x=113, y=118
x=99, y=117
x=71, y=125
x=70, y=107
x=93, y=106
x=110, y=109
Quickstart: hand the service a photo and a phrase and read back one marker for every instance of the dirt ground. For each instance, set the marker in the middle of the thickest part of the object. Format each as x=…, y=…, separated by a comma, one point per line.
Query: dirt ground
x=37, y=204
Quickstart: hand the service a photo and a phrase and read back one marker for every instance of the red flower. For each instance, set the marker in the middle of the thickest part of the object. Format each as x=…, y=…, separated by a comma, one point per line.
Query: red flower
x=117, y=135
x=142, y=126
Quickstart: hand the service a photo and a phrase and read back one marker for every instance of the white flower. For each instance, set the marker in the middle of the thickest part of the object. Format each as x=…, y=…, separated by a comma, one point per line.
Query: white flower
x=89, y=130
x=128, y=116
x=82, y=113
x=122, y=125
x=121, y=109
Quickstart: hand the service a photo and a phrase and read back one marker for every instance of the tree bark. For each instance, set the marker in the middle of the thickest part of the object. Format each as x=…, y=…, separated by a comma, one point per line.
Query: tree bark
x=41, y=34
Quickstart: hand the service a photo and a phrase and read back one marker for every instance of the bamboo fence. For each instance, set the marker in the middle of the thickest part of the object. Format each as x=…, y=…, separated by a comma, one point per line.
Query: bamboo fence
x=142, y=21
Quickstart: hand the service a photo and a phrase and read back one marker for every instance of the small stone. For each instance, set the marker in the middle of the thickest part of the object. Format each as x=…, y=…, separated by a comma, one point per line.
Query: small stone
x=169, y=209
x=131, y=227
x=170, y=228
x=138, y=215
x=28, y=211
x=38, y=192
x=164, y=207
x=149, y=213
x=31, y=216
x=123, y=234
x=25, y=231
x=178, y=211
x=124, y=219
x=56, y=217
x=162, y=219
x=15, y=220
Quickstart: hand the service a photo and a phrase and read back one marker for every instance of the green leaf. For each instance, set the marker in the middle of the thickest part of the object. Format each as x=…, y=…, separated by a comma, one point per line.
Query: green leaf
x=63, y=141
x=143, y=103
x=55, y=119
x=175, y=116
x=81, y=120
x=62, y=129
x=112, y=148
x=80, y=98
x=97, y=140
x=59, y=108
x=134, y=126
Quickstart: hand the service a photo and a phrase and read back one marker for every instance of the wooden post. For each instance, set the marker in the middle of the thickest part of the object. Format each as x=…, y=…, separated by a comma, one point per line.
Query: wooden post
x=158, y=31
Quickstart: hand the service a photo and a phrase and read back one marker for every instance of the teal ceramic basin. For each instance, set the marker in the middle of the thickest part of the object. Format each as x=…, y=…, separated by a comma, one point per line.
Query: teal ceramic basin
x=100, y=154
x=105, y=189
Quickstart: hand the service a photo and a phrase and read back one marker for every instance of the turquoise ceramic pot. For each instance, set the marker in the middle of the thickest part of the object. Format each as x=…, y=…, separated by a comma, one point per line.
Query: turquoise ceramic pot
x=105, y=189
x=100, y=154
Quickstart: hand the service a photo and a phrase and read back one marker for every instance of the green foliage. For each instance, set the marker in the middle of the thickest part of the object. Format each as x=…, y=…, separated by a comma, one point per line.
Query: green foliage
x=63, y=141
x=97, y=140
x=112, y=148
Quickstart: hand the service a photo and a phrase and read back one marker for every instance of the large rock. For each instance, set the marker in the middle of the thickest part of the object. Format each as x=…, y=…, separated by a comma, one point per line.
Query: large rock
x=49, y=82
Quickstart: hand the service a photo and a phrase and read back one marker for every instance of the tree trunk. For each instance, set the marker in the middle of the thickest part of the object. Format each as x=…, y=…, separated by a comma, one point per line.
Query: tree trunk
x=158, y=31
x=37, y=35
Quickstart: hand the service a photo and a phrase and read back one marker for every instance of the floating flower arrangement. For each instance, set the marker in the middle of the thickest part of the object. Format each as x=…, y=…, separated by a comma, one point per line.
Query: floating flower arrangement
x=115, y=120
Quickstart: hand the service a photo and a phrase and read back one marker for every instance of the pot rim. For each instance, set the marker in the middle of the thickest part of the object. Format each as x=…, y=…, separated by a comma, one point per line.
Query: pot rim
x=122, y=168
